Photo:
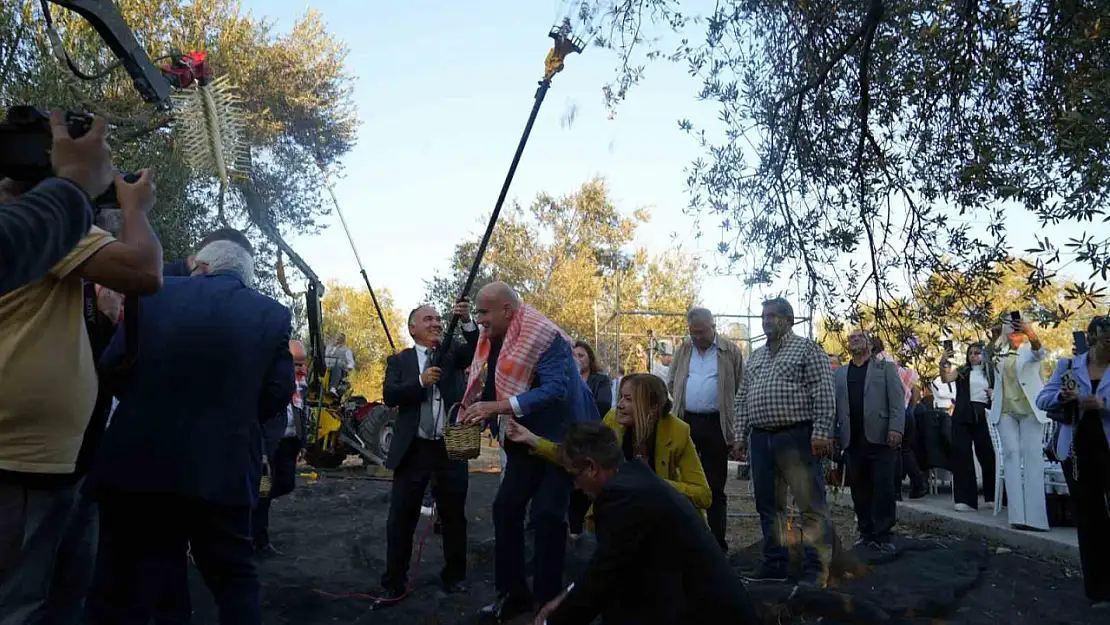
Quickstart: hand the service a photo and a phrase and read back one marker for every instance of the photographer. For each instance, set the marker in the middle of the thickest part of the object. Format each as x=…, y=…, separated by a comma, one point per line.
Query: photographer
x=41, y=227
x=49, y=379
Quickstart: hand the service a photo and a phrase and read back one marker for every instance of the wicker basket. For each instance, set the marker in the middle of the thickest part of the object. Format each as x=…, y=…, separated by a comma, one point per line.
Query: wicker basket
x=464, y=441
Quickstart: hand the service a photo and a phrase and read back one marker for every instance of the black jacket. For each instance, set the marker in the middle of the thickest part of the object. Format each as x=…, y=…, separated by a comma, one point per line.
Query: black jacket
x=401, y=389
x=656, y=561
x=602, y=388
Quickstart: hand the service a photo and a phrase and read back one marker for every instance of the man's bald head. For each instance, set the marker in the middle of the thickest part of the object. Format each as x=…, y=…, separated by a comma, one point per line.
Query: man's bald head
x=300, y=359
x=496, y=305
x=296, y=348
x=499, y=292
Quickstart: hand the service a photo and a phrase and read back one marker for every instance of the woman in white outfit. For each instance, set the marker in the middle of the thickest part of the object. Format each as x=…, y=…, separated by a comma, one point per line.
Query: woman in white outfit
x=1017, y=355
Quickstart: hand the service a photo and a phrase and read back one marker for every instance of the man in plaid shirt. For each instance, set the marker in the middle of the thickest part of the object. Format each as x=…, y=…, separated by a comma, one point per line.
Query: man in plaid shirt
x=786, y=406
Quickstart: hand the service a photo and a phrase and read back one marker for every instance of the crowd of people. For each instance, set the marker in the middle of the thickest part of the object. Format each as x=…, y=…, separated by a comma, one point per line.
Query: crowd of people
x=996, y=404
x=152, y=412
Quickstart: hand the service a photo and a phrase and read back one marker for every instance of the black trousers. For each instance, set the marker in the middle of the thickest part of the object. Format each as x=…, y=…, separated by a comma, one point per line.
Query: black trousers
x=906, y=462
x=423, y=460
x=871, y=469
x=1089, y=496
x=709, y=439
x=530, y=479
x=141, y=563
x=283, y=467
x=576, y=512
x=971, y=440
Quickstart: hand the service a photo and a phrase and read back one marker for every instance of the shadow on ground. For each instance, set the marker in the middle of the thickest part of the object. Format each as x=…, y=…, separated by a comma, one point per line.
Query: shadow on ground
x=332, y=533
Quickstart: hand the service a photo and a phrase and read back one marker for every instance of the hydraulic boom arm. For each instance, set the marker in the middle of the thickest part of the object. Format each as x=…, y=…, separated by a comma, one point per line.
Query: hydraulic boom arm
x=108, y=22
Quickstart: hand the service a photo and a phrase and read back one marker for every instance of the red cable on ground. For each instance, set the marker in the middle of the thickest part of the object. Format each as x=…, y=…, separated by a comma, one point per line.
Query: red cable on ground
x=412, y=578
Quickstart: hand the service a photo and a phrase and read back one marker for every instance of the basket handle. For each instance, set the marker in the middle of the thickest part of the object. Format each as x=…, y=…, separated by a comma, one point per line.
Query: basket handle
x=453, y=413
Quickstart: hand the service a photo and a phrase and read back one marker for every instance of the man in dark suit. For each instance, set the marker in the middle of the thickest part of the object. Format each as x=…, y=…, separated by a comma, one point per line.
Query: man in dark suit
x=530, y=373
x=424, y=394
x=283, y=437
x=179, y=465
x=656, y=559
x=186, y=266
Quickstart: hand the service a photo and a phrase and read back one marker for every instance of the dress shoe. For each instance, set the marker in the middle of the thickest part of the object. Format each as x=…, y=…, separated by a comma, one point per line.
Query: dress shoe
x=388, y=599
x=506, y=608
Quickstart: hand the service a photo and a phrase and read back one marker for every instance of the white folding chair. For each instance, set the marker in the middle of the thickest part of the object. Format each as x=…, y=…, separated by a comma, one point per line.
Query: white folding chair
x=1054, y=481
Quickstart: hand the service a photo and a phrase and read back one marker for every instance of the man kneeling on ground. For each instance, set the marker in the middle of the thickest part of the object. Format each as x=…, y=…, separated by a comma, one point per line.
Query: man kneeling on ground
x=656, y=560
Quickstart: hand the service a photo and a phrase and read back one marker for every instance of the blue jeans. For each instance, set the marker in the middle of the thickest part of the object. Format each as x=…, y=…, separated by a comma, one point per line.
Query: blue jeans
x=534, y=489
x=32, y=526
x=780, y=460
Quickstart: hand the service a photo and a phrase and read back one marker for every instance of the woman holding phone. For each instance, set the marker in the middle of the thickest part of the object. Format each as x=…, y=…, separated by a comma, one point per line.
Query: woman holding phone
x=1016, y=355
x=1078, y=396
x=971, y=438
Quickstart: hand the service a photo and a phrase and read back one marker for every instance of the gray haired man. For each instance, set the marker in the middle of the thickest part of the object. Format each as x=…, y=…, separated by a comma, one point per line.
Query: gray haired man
x=703, y=380
x=190, y=477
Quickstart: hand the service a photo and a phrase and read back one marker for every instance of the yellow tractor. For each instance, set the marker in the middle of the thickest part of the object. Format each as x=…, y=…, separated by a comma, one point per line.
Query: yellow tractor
x=338, y=423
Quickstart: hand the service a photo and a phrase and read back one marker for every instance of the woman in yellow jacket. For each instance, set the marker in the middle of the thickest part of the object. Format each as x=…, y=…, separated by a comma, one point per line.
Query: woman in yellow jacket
x=648, y=432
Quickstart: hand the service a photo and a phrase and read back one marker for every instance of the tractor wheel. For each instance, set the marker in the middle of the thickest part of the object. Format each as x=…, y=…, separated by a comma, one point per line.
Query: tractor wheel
x=376, y=429
x=320, y=459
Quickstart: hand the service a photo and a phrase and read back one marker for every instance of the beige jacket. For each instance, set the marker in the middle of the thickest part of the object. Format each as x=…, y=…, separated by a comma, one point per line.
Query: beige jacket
x=730, y=369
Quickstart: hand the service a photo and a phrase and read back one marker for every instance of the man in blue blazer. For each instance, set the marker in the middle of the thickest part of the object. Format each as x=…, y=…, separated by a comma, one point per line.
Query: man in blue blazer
x=531, y=374
x=180, y=462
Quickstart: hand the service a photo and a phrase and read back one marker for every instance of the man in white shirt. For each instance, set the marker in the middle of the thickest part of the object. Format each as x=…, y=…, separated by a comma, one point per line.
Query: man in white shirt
x=703, y=380
x=283, y=436
x=340, y=361
x=423, y=395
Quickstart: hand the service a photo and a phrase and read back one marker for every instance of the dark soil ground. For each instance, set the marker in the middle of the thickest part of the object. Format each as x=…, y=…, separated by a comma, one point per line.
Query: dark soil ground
x=332, y=534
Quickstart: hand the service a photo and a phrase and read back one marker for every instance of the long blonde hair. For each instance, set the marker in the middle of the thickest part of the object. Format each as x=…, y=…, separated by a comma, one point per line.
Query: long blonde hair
x=650, y=404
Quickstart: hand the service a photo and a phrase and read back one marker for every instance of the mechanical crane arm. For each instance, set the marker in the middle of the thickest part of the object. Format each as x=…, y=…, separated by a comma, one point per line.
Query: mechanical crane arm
x=108, y=22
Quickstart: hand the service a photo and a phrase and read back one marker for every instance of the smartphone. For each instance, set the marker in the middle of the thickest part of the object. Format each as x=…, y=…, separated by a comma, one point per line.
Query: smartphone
x=947, y=347
x=1080, y=340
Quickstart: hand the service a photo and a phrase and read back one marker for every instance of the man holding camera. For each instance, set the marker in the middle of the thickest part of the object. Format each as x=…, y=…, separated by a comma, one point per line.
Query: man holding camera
x=39, y=227
x=48, y=377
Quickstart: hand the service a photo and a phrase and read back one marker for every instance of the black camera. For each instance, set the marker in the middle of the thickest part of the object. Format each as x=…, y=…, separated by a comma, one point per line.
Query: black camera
x=25, y=142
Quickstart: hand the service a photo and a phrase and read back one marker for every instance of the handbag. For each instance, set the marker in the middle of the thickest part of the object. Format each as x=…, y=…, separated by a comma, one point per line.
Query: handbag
x=1059, y=416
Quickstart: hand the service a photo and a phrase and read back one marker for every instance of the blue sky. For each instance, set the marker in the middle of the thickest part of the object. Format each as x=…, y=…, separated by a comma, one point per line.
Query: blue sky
x=443, y=90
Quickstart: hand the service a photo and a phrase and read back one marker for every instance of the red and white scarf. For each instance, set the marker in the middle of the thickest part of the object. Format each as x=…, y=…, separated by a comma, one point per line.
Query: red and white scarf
x=529, y=335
